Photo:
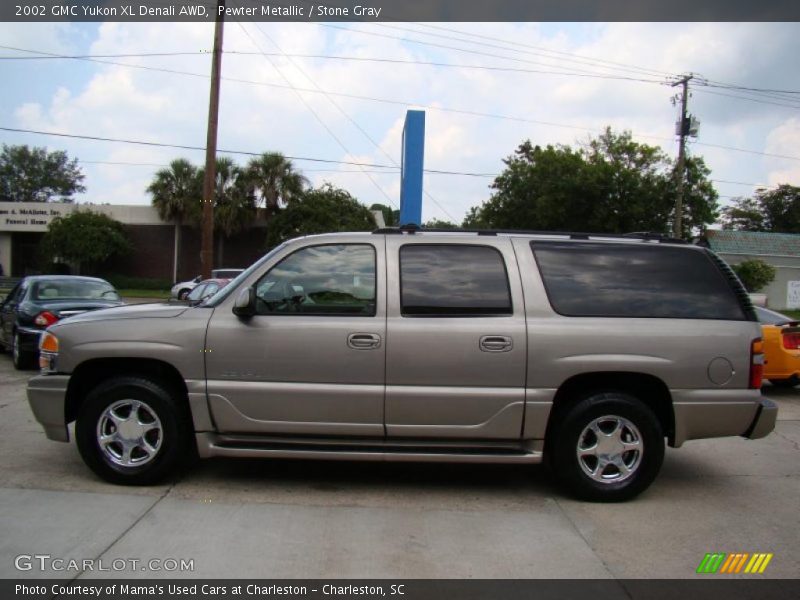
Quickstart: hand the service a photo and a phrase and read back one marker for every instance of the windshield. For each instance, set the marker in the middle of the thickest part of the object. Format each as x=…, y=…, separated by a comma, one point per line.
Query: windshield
x=72, y=289
x=228, y=289
x=770, y=317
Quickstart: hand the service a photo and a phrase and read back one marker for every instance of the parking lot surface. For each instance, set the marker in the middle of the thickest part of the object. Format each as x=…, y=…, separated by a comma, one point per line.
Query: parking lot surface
x=286, y=519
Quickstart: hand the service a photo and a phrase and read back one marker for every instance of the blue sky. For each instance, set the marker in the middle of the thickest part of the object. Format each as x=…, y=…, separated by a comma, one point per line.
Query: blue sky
x=564, y=105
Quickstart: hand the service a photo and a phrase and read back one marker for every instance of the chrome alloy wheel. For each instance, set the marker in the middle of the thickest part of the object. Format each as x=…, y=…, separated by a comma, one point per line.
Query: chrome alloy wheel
x=15, y=351
x=610, y=449
x=129, y=433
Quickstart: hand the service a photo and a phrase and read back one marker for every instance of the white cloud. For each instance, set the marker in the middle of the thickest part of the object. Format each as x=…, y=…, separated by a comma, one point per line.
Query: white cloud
x=115, y=101
x=785, y=140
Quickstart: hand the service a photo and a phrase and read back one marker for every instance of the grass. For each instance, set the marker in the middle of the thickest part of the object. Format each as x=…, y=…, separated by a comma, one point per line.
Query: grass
x=795, y=314
x=132, y=293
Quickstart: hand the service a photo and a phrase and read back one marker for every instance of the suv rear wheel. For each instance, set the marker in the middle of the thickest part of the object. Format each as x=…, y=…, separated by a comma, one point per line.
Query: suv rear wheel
x=608, y=447
x=131, y=431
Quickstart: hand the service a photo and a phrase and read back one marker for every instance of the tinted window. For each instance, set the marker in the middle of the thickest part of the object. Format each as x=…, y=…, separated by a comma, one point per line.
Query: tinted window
x=321, y=280
x=226, y=273
x=197, y=293
x=60, y=289
x=627, y=280
x=453, y=280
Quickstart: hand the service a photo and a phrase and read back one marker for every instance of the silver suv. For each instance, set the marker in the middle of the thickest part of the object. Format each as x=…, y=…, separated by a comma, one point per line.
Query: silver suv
x=584, y=351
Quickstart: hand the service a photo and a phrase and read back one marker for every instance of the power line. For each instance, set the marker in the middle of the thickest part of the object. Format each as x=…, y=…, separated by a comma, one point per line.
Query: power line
x=389, y=168
x=465, y=50
x=762, y=95
x=380, y=60
x=83, y=56
x=465, y=112
x=747, y=98
x=316, y=115
x=571, y=56
x=505, y=48
x=354, y=122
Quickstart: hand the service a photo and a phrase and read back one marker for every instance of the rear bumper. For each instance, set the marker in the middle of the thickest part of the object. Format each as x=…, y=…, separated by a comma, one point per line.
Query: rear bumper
x=703, y=414
x=47, y=396
x=764, y=421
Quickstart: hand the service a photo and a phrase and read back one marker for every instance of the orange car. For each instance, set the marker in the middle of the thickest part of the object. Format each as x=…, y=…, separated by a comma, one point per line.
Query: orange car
x=781, y=347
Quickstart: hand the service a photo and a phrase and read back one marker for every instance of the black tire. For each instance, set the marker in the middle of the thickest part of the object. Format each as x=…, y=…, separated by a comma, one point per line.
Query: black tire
x=784, y=383
x=173, y=442
x=22, y=359
x=611, y=484
x=182, y=294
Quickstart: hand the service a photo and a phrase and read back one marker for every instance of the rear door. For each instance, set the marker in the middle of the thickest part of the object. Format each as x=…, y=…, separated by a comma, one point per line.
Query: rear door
x=455, y=338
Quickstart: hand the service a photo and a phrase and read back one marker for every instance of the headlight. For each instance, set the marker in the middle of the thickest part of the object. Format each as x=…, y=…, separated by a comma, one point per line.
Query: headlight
x=48, y=352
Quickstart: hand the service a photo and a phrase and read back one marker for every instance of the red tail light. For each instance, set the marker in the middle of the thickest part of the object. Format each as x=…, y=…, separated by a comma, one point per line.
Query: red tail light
x=791, y=341
x=756, y=364
x=45, y=319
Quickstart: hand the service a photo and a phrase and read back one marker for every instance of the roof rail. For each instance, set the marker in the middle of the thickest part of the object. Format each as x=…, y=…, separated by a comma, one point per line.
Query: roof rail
x=574, y=235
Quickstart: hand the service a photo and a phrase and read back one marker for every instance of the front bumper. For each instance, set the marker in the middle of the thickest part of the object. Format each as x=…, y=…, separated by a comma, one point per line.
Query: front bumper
x=47, y=396
x=29, y=338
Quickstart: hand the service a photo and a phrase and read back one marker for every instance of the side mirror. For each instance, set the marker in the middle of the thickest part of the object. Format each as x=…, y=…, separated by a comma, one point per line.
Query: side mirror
x=245, y=305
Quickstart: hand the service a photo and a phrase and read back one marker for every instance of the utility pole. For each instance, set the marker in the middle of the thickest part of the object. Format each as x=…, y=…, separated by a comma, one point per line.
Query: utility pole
x=683, y=131
x=207, y=243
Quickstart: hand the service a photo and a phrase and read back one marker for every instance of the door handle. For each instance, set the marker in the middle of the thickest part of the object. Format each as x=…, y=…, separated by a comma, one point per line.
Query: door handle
x=496, y=343
x=364, y=341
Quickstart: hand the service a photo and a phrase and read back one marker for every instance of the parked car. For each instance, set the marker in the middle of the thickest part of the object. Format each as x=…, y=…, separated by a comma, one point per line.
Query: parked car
x=585, y=351
x=39, y=301
x=181, y=289
x=781, y=347
x=206, y=289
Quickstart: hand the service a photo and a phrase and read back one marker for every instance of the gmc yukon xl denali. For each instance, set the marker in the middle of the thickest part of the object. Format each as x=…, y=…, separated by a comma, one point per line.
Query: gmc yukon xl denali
x=584, y=351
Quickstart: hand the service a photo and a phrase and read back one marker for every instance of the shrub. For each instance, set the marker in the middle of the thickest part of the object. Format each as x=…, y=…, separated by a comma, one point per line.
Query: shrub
x=755, y=274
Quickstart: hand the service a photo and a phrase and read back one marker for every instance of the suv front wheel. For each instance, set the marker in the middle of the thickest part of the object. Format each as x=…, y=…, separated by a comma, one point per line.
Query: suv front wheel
x=131, y=431
x=608, y=447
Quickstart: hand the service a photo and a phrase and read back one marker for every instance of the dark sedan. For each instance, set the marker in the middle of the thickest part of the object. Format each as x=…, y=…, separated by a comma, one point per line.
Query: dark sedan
x=37, y=302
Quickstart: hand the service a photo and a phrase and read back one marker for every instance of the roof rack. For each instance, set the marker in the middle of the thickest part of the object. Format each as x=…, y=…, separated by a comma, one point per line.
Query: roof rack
x=648, y=236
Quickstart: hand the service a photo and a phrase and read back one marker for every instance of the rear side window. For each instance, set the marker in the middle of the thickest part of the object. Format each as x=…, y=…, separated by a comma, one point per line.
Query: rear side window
x=441, y=280
x=587, y=279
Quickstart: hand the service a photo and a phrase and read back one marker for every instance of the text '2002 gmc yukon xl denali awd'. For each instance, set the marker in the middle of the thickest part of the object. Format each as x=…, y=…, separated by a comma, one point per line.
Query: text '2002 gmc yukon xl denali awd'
x=496, y=347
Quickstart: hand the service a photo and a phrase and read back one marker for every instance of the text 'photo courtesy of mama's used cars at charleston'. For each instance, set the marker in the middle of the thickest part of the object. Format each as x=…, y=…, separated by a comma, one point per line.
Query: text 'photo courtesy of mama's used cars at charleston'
x=587, y=352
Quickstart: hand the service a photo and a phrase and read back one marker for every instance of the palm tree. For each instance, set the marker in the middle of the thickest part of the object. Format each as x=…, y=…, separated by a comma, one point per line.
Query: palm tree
x=234, y=202
x=274, y=181
x=176, y=194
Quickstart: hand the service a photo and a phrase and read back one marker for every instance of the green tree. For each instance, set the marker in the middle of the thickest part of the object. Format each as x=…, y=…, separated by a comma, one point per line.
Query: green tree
x=177, y=194
x=781, y=208
x=36, y=175
x=743, y=215
x=321, y=210
x=234, y=203
x=84, y=239
x=755, y=274
x=439, y=224
x=776, y=210
x=700, y=199
x=274, y=181
x=612, y=184
x=540, y=188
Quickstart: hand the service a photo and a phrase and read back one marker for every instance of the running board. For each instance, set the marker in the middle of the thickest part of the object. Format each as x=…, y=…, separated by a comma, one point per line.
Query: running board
x=211, y=444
